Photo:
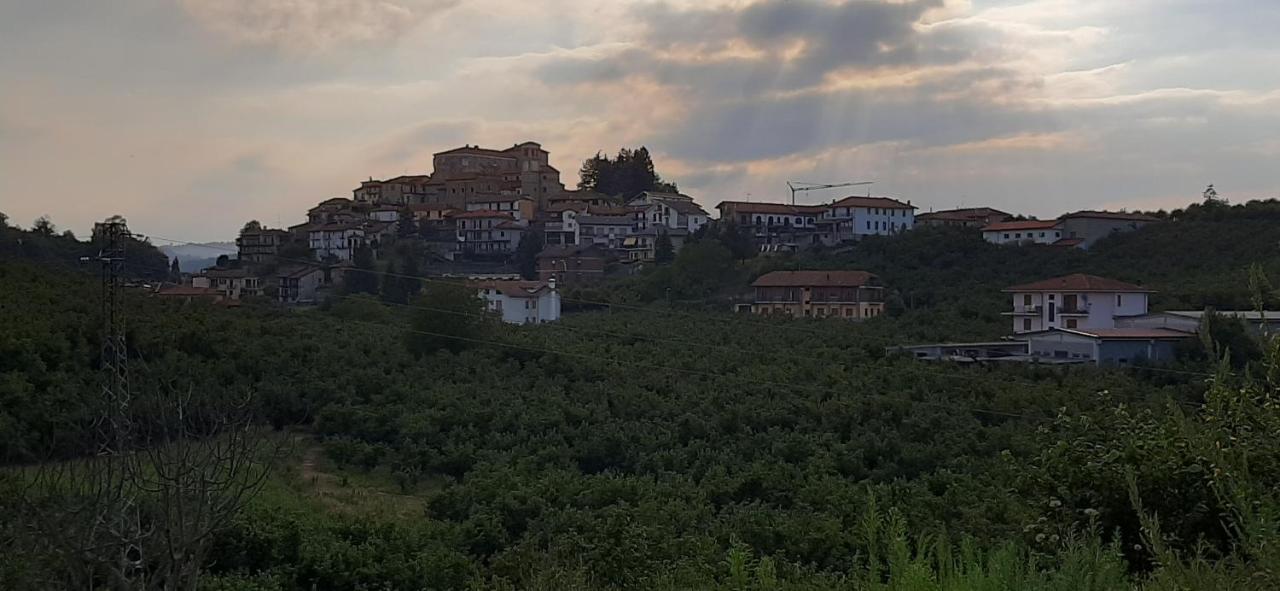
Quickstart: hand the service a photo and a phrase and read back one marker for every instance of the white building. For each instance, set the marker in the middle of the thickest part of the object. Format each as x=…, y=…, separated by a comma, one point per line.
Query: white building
x=299, y=284
x=337, y=241
x=1023, y=232
x=1075, y=302
x=852, y=218
x=521, y=302
x=672, y=210
x=232, y=284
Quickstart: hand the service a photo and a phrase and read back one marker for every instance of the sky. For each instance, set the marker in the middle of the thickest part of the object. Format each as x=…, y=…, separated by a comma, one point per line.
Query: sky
x=191, y=117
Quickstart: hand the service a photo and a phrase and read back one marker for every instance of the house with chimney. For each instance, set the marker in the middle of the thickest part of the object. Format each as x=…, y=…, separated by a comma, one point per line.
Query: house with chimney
x=848, y=295
x=520, y=302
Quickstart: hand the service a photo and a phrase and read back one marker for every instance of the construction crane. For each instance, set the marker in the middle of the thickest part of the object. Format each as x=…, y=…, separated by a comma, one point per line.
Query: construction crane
x=797, y=186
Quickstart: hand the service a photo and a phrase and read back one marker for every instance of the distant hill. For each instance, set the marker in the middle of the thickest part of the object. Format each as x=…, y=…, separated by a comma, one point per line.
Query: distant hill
x=196, y=257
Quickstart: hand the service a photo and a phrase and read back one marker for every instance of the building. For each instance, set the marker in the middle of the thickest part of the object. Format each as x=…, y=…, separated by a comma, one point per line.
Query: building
x=964, y=352
x=231, y=284
x=338, y=210
x=583, y=197
x=1075, y=302
x=487, y=232
x=608, y=230
x=1264, y=322
x=401, y=190
x=336, y=241
x=560, y=228
x=970, y=217
x=299, y=284
x=260, y=246
x=523, y=168
x=641, y=245
x=520, y=207
x=572, y=264
x=1023, y=232
x=853, y=218
x=850, y=295
x=1106, y=346
x=674, y=211
x=1085, y=228
x=521, y=302
x=775, y=226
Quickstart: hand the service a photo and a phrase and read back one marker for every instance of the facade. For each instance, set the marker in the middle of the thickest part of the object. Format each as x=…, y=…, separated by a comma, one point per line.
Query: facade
x=1106, y=346
x=669, y=210
x=1264, y=322
x=641, y=245
x=401, y=190
x=1088, y=227
x=849, y=295
x=569, y=265
x=521, y=302
x=853, y=218
x=231, y=284
x=1023, y=232
x=336, y=240
x=561, y=228
x=520, y=207
x=260, y=246
x=299, y=284
x=775, y=226
x=583, y=197
x=970, y=217
x=487, y=232
x=338, y=210
x=524, y=168
x=1075, y=302
x=608, y=230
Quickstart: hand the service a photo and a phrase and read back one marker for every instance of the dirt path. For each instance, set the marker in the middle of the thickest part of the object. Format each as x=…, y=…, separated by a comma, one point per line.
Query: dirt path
x=339, y=494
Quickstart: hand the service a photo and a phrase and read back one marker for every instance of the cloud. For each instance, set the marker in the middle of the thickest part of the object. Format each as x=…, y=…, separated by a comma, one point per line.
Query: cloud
x=309, y=26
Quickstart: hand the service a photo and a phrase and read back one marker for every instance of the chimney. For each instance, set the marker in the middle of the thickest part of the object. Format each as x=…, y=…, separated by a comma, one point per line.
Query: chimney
x=552, y=283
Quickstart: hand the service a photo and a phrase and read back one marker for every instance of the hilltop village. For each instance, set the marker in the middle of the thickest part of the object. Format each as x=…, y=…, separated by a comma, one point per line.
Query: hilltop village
x=504, y=222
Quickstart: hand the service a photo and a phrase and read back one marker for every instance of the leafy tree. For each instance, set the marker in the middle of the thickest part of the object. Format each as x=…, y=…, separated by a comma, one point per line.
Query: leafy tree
x=4, y=220
x=222, y=261
x=363, y=278
x=663, y=251
x=700, y=269
x=406, y=224
x=175, y=271
x=526, y=256
x=409, y=271
x=627, y=174
x=447, y=316
x=43, y=226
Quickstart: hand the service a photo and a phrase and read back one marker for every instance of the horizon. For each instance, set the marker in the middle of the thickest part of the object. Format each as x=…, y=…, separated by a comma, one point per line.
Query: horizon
x=193, y=117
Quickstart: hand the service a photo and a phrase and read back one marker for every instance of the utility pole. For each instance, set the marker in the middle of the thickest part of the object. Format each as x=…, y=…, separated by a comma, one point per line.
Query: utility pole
x=799, y=186
x=113, y=235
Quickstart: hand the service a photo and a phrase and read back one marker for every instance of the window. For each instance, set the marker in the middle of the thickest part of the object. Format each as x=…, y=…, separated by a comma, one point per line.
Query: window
x=1119, y=300
x=1006, y=236
x=1072, y=323
x=1026, y=324
x=1026, y=299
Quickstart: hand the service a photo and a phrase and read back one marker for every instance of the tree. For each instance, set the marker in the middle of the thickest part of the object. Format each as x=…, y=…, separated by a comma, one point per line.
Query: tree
x=4, y=220
x=526, y=257
x=363, y=278
x=738, y=242
x=222, y=261
x=700, y=269
x=175, y=271
x=251, y=226
x=406, y=224
x=663, y=251
x=409, y=270
x=392, y=285
x=44, y=226
x=447, y=316
x=630, y=172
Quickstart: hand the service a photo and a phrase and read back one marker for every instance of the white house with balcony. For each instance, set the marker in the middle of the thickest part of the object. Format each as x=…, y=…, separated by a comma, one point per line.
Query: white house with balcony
x=1075, y=302
x=336, y=241
x=853, y=218
x=521, y=302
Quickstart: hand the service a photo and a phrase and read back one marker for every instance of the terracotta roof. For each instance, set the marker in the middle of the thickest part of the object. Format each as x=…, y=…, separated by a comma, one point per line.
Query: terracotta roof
x=772, y=208
x=1112, y=215
x=514, y=289
x=579, y=195
x=1068, y=242
x=968, y=214
x=410, y=178
x=884, y=202
x=477, y=150
x=685, y=207
x=509, y=226
x=1079, y=282
x=572, y=250
x=496, y=198
x=1021, y=225
x=815, y=279
x=482, y=214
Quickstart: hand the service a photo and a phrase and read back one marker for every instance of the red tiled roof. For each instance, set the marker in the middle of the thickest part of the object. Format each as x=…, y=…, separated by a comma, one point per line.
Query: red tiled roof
x=514, y=289
x=1079, y=282
x=883, y=202
x=963, y=215
x=477, y=150
x=1134, y=333
x=1112, y=215
x=815, y=279
x=1021, y=225
x=509, y=226
x=481, y=214
x=771, y=208
x=1068, y=242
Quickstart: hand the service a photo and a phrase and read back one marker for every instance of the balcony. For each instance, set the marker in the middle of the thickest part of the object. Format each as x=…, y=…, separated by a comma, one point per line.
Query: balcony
x=1025, y=311
x=1074, y=311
